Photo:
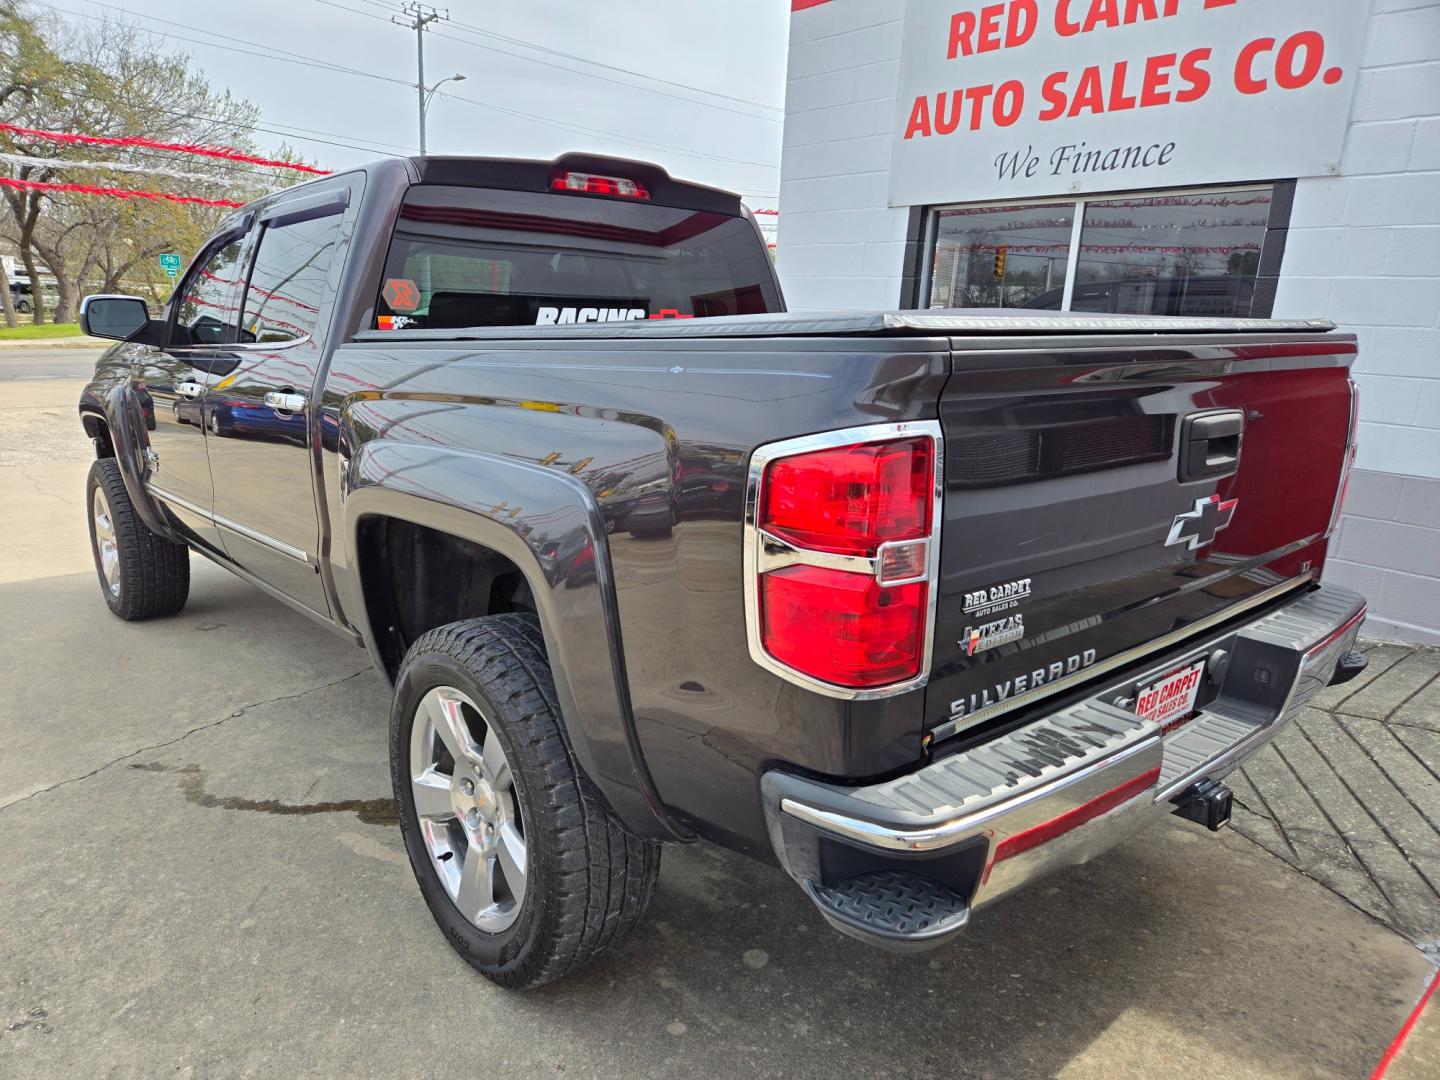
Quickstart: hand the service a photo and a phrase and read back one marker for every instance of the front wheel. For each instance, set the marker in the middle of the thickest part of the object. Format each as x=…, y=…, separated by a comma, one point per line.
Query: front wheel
x=142, y=575
x=526, y=870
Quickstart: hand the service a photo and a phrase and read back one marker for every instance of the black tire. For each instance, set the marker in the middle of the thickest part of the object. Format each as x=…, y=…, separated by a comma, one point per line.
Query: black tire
x=589, y=879
x=154, y=573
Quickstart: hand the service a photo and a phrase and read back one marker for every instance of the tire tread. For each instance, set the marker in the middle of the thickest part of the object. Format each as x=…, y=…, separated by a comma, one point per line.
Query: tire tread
x=154, y=571
x=604, y=874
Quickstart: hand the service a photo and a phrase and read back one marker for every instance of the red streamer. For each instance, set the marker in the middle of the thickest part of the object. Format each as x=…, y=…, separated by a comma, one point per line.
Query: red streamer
x=118, y=193
x=224, y=152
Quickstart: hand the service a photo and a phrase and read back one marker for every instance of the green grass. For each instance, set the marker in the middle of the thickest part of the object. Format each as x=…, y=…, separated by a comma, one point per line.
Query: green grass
x=46, y=330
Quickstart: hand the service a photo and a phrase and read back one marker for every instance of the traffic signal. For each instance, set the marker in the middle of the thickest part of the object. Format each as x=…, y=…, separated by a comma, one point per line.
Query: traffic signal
x=1000, y=263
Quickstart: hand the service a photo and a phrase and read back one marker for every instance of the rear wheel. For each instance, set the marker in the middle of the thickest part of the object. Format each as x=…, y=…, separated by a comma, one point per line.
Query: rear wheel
x=142, y=574
x=526, y=870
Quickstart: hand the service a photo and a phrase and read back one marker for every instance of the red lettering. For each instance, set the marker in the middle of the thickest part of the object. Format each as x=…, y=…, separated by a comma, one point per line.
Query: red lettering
x=990, y=27
x=1155, y=89
x=976, y=95
x=1245, y=80
x=1053, y=91
x=947, y=122
x=1309, y=47
x=919, y=118
x=962, y=25
x=1102, y=13
x=1012, y=92
x=1119, y=100
x=1193, y=71
x=1063, y=26
x=1140, y=9
x=1090, y=94
x=1021, y=11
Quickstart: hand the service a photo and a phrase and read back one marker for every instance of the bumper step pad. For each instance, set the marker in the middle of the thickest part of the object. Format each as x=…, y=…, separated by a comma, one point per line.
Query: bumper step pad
x=892, y=907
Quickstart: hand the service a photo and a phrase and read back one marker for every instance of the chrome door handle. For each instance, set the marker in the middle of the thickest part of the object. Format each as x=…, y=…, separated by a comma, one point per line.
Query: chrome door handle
x=290, y=403
x=189, y=389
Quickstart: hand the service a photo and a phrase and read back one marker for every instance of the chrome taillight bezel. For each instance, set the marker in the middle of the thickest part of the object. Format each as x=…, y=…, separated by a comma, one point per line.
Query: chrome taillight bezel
x=1347, y=460
x=764, y=552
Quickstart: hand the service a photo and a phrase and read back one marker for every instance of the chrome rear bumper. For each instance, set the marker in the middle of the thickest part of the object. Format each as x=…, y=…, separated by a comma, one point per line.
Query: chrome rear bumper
x=977, y=824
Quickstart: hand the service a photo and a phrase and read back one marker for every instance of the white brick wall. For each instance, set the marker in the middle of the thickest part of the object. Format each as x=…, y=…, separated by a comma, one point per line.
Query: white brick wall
x=839, y=244
x=1363, y=249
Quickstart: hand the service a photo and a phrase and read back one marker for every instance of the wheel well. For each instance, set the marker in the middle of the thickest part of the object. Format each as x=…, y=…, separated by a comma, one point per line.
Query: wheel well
x=99, y=432
x=416, y=578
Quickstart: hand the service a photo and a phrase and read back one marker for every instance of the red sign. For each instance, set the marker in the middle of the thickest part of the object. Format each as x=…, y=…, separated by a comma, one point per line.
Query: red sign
x=401, y=294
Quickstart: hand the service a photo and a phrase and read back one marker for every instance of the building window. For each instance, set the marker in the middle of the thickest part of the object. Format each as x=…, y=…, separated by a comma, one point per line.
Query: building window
x=1182, y=253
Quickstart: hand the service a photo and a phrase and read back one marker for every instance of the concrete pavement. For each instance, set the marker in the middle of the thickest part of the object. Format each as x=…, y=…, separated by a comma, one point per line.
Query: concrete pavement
x=199, y=875
x=39, y=360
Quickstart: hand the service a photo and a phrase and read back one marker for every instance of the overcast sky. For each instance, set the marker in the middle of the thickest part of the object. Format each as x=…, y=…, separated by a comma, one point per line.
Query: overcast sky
x=736, y=49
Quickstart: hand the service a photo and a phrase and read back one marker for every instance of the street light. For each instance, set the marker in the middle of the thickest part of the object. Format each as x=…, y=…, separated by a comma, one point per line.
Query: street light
x=425, y=104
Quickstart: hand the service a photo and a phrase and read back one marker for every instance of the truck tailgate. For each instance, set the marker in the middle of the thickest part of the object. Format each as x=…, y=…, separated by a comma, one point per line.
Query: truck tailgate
x=1103, y=501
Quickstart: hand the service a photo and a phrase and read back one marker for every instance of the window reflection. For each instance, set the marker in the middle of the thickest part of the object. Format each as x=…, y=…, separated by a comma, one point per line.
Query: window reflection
x=1001, y=256
x=1172, y=254
x=1185, y=254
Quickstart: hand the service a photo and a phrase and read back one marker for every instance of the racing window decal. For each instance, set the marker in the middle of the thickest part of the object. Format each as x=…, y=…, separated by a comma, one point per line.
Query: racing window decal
x=572, y=311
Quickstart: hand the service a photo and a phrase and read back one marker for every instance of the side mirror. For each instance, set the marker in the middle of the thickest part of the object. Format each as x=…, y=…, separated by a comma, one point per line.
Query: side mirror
x=118, y=317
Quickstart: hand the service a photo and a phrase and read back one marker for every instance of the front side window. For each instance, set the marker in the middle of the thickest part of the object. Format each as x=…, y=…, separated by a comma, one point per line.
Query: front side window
x=464, y=257
x=206, y=313
x=1193, y=253
x=287, y=282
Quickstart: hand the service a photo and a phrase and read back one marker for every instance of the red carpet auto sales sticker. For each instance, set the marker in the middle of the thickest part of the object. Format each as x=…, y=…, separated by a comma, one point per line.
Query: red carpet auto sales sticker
x=1055, y=97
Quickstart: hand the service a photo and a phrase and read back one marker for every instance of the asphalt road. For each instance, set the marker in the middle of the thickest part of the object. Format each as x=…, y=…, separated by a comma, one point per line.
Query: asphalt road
x=200, y=876
x=42, y=362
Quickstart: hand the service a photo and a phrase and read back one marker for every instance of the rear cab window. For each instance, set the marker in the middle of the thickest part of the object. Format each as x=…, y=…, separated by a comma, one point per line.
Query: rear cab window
x=466, y=256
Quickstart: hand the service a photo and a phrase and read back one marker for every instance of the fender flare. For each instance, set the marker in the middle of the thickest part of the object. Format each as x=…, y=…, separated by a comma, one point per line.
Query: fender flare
x=542, y=521
x=112, y=412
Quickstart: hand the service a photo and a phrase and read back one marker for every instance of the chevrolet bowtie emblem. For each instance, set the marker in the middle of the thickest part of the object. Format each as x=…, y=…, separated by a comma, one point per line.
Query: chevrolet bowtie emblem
x=1198, y=527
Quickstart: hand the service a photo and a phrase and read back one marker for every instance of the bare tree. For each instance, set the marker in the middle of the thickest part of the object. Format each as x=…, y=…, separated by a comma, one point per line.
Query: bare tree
x=113, y=79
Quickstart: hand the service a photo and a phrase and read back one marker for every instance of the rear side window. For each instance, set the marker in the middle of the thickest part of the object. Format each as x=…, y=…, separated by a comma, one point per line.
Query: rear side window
x=465, y=257
x=287, y=283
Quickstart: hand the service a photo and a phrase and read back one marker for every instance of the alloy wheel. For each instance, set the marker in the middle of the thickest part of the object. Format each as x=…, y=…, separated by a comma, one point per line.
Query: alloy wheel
x=106, y=549
x=468, y=810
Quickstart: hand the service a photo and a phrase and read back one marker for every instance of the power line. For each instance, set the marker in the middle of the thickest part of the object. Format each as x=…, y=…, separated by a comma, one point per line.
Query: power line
x=227, y=43
x=482, y=32
x=627, y=139
x=312, y=62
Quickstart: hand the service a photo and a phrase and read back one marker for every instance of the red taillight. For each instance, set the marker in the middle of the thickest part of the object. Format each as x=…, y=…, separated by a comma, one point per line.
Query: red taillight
x=843, y=628
x=1348, y=461
x=844, y=557
x=852, y=499
x=580, y=183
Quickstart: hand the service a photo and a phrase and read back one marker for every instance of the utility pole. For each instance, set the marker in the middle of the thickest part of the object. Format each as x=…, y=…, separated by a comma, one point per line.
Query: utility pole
x=417, y=17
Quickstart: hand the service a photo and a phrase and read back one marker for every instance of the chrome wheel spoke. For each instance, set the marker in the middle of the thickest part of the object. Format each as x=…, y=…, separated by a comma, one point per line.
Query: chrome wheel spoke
x=493, y=763
x=466, y=802
x=431, y=790
x=448, y=716
x=510, y=851
x=107, y=551
x=477, y=885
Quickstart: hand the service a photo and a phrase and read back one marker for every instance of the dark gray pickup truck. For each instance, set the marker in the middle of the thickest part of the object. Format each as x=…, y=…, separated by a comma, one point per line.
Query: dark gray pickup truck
x=920, y=606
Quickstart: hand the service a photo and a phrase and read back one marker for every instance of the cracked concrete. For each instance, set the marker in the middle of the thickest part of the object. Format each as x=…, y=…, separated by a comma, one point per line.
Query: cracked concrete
x=231, y=901
x=206, y=726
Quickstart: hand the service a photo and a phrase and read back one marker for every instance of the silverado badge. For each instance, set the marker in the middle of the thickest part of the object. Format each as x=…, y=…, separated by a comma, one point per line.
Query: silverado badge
x=1199, y=526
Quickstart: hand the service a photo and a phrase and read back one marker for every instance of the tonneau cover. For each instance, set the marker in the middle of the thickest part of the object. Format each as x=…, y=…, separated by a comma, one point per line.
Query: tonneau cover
x=960, y=323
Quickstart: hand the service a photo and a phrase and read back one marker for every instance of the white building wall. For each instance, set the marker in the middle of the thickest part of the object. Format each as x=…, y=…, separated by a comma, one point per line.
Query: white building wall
x=840, y=245
x=1362, y=249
